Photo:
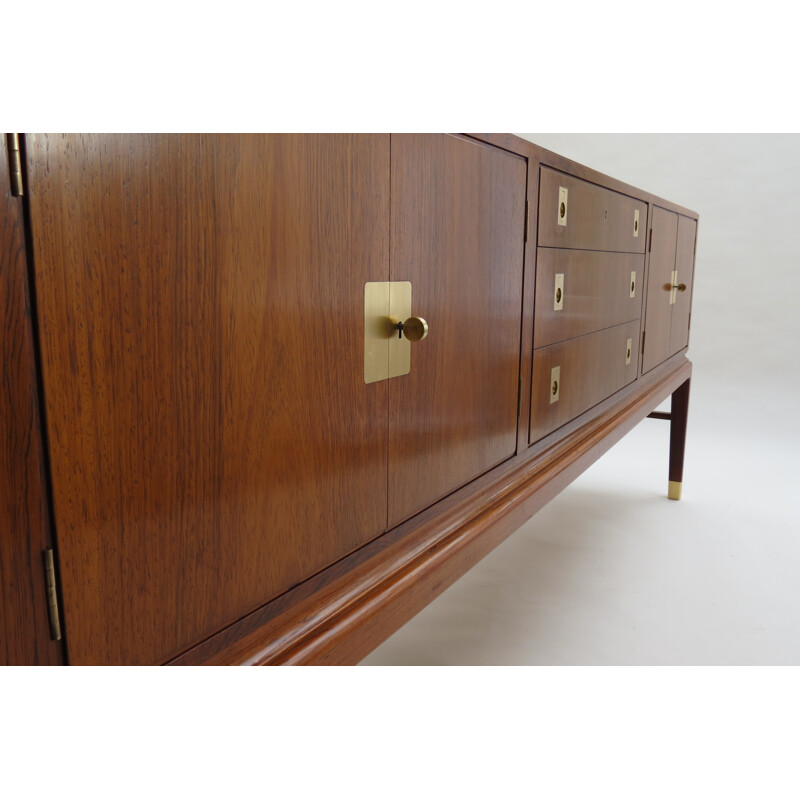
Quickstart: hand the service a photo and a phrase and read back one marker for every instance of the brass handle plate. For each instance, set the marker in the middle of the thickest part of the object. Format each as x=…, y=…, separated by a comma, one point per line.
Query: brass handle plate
x=629, y=345
x=562, y=205
x=558, y=295
x=636, y=224
x=389, y=329
x=555, y=384
x=673, y=287
x=633, y=284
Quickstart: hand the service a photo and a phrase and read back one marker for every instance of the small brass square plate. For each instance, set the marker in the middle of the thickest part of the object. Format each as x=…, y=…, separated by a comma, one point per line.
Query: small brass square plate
x=555, y=384
x=562, y=205
x=386, y=355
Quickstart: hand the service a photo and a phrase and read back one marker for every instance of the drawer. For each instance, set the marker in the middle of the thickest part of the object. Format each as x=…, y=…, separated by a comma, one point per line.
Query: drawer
x=571, y=377
x=576, y=214
x=582, y=291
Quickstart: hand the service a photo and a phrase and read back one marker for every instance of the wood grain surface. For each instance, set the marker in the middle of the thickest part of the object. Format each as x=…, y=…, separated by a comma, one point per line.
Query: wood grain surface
x=596, y=294
x=592, y=368
x=684, y=264
x=201, y=308
x=24, y=626
x=342, y=614
x=597, y=218
x=458, y=218
x=658, y=311
x=547, y=158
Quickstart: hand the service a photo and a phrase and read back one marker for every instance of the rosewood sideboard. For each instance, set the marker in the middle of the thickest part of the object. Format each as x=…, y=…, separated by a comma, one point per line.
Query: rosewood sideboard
x=265, y=396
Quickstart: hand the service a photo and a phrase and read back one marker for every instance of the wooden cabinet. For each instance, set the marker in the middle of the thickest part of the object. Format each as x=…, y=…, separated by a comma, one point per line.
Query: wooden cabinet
x=224, y=483
x=669, y=286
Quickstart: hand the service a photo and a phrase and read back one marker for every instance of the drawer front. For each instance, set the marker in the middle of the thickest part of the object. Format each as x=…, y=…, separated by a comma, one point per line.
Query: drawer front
x=582, y=291
x=571, y=377
x=577, y=214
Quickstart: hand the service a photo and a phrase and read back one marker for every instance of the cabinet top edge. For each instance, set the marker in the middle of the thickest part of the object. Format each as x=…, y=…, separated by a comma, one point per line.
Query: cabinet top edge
x=547, y=158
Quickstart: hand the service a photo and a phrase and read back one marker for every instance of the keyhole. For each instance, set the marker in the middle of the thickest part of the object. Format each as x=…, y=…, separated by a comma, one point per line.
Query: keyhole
x=558, y=295
x=563, y=210
x=605, y=215
x=555, y=388
x=636, y=226
x=629, y=354
x=633, y=287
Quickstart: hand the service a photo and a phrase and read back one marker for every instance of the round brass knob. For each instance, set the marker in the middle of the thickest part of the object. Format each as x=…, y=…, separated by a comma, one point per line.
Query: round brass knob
x=415, y=329
x=681, y=287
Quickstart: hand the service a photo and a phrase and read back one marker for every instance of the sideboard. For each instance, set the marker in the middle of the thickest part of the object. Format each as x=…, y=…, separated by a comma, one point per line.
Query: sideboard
x=265, y=396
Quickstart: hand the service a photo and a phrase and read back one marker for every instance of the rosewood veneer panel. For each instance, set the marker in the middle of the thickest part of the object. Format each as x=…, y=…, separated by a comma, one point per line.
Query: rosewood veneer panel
x=596, y=218
x=458, y=218
x=596, y=295
x=592, y=368
x=213, y=442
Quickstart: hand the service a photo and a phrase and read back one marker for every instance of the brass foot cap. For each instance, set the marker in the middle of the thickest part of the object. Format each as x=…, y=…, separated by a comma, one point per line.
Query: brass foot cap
x=674, y=491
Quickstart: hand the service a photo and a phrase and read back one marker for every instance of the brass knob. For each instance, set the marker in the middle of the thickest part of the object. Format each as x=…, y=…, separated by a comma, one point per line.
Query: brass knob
x=415, y=329
x=681, y=287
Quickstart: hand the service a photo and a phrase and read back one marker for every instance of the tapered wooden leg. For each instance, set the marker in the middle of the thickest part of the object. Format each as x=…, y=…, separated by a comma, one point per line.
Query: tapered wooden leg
x=677, y=438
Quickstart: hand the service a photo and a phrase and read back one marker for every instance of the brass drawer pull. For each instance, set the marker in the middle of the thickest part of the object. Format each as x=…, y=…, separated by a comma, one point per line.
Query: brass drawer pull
x=681, y=287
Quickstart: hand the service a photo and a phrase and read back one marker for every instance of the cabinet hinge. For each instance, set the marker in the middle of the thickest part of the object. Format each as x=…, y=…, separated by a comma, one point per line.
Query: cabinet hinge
x=527, y=219
x=14, y=164
x=689, y=326
x=519, y=398
x=52, y=594
x=644, y=333
x=650, y=245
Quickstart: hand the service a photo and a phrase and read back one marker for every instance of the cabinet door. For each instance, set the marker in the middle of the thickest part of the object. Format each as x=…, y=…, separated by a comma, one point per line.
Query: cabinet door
x=671, y=264
x=458, y=214
x=212, y=439
x=658, y=313
x=684, y=269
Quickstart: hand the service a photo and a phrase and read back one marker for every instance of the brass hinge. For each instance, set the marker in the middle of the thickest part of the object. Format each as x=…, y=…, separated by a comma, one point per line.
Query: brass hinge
x=519, y=398
x=527, y=219
x=644, y=333
x=14, y=164
x=52, y=594
x=689, y=326
x=650, y=246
